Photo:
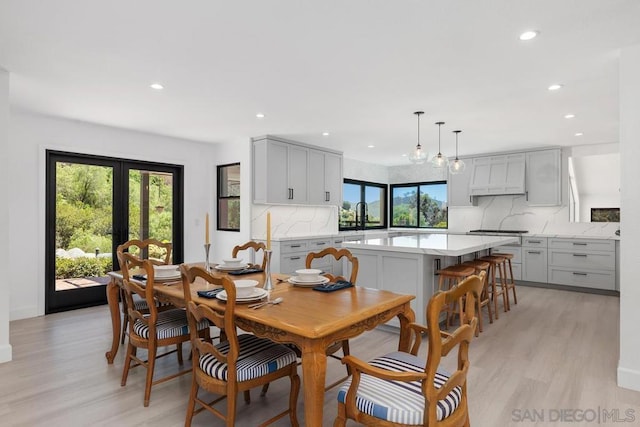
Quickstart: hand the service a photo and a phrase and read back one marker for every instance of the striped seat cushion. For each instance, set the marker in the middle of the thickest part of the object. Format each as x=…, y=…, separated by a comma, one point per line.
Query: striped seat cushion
x=170, y=324
x=257, y=357
x=141, y=303
x=397, y=401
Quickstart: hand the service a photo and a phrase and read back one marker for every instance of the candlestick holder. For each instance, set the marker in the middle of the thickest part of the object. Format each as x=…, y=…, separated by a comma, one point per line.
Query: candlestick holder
x=268, y=285
x=207, y=266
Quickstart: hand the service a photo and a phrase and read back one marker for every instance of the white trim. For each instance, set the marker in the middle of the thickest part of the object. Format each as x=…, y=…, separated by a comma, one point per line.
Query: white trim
x=5, y=353
x=628, y=378
x=26, y=312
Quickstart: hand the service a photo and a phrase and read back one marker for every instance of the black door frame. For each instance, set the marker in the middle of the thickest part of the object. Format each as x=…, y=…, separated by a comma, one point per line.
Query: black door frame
x=96, y=295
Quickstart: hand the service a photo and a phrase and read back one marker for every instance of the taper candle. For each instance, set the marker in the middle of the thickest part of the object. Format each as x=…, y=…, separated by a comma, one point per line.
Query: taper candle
x=268, y=230
x=206, y=229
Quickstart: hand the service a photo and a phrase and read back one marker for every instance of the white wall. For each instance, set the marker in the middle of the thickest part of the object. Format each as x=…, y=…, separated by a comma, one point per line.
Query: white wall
x=29, y=137
x=629, y=364
x=363, y=171
x=5, y=285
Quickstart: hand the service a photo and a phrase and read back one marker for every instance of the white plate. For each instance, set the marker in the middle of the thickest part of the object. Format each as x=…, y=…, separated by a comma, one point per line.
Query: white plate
x=222, y=267
x=258, y=293
x=165, y=278
x=294, y=281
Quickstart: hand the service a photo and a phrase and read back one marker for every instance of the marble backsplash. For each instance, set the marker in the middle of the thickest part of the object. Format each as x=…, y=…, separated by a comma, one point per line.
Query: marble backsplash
x=293, y=221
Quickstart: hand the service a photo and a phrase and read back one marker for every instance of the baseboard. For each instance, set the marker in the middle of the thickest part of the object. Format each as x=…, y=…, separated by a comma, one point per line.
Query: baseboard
x=24, y=313
x=5, y=353
x=568, y=288
x=628, y=378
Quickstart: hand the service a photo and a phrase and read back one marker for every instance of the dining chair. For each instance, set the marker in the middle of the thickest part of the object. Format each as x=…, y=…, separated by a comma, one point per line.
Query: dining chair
x=256, y=247
x=337, y=254
x=159, y=253
x=240, y=363
x=153, y=328
x=399, y=389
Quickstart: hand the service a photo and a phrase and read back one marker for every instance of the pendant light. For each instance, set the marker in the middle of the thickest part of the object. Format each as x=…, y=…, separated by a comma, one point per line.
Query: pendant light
x=418, y=156
x=439, y=160
x=457, y=166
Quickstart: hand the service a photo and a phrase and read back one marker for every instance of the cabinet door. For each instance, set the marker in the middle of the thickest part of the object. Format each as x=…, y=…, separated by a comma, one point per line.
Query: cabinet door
x=333, y=179
x=534, y=268
x=543, y=178
x=498, y=175
x=298, y=168
x=276, y=172
x=458, y=186
x=317, y=177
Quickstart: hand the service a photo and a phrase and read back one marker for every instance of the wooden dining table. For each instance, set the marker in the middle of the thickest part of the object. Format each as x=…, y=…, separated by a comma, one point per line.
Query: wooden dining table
x=309, y=319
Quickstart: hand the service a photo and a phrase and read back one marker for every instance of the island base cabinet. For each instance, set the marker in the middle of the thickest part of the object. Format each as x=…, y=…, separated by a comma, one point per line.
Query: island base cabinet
x=534, y=265
x=591, y=279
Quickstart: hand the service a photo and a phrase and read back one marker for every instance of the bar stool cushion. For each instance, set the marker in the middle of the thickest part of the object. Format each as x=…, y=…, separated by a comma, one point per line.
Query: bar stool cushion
x=396, y=401
x=258, y=357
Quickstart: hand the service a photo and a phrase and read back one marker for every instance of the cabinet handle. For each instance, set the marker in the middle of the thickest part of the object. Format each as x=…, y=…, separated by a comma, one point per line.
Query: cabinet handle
x=295, y=246
x=534, y=252
x=575, y=273
x=581, y=255
x=327, y=196
x=526, y=196
x=579, y=244
x=534, y=241
x=297, y=257
x=320, y=243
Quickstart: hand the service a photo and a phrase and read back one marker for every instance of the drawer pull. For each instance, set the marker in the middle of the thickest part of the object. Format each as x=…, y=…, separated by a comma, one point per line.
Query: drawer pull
x=575, y=273
x=320, y=243
x=579, y=244
x=297, y=257
x=580, y=255
x=534, y=241
x=295, y=246
x=534, y=252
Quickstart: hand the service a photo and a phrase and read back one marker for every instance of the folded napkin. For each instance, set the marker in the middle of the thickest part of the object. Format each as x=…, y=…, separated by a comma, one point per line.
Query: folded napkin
x=210, y=293
x=245, y=271
x=140, y=276
x=330, y=287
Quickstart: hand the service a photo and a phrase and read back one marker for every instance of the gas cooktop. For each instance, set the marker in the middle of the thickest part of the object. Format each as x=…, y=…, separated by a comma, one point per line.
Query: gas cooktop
x=499, y=231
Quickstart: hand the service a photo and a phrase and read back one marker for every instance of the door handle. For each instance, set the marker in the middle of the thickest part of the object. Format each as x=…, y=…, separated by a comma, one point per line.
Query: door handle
x=534, y=252
x=580, y=255
x=575, y=273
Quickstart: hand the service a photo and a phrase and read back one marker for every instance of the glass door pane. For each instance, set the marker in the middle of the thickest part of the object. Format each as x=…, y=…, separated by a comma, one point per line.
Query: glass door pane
x=351, y=195
x=374, y=199
x=150, y=206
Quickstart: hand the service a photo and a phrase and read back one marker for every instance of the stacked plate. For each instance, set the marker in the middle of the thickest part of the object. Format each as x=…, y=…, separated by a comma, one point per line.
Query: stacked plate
x=256, y=294
x=308, y=277
x=165, y=272
x=231, y=267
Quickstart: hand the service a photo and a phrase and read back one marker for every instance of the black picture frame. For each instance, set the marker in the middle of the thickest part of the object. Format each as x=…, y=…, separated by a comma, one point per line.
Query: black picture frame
x=605, y=214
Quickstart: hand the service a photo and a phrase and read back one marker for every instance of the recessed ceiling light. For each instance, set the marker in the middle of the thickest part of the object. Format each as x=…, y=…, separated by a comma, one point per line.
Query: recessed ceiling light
x=371, y=146
x=156, y=86
x=528, y=35
x=325, y=133
x=579, y=134
x=260, y=116
x=555, y=87
x=404, y=155
x=569, y=116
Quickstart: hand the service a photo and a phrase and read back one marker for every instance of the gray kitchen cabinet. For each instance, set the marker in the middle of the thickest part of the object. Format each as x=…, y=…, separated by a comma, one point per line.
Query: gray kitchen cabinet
x=516, y=261
x=290, y=255
x=543, y=178
x=534, y=259
x=458, y=187
x=325, y=178
x=287, y=172
x=586, y=263
x=498, y=175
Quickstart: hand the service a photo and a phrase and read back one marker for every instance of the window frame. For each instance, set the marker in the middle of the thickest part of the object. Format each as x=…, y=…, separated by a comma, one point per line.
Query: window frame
x=384, y=198
x=220, y=197
x=417, y=185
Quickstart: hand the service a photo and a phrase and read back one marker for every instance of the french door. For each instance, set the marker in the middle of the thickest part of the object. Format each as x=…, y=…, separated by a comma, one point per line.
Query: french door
x=94, y=204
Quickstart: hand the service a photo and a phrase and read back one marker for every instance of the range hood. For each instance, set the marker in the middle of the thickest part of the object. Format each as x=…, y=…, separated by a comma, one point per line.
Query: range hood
x=498, y=175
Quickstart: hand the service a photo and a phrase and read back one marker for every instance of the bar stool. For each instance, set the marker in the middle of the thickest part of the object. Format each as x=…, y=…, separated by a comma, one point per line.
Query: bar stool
x=484, y=300
x=497, y=265
x=509, y=280
x=449, y=278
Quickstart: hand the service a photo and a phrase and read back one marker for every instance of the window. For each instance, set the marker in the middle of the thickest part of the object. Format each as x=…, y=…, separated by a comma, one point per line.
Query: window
x=430, y=212
x=229, y=197
x=364, y=205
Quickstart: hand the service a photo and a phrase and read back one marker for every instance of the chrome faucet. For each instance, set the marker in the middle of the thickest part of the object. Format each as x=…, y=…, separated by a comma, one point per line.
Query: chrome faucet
x=363, y=209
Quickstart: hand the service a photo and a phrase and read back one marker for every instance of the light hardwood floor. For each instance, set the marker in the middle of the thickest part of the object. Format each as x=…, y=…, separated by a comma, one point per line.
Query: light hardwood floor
x=555, y=350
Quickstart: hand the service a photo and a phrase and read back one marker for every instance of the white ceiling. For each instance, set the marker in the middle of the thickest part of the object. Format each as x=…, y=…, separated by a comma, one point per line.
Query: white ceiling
x=357, y=69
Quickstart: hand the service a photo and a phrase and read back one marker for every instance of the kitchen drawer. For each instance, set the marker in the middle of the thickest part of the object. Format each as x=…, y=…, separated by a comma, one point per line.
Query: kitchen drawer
x=290, y=263
x=516, y=251
x=582, y=260
x=294, y=246
x=583, y=244
x=534, y=242
x=316, y=245
x=571, y=277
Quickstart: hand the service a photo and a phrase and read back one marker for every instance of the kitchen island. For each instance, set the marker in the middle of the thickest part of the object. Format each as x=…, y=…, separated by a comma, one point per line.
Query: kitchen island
x=406, y=263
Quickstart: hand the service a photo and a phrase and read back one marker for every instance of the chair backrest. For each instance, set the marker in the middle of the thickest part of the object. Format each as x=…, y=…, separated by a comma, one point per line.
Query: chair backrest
x=256, y=246
x=157, y=252
x=337, y=254
x=131, y=265
x=440, y=343
x=224, y=321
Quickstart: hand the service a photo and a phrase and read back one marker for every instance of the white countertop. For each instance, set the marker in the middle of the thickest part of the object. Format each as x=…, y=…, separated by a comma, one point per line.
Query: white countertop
x=432, y=244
